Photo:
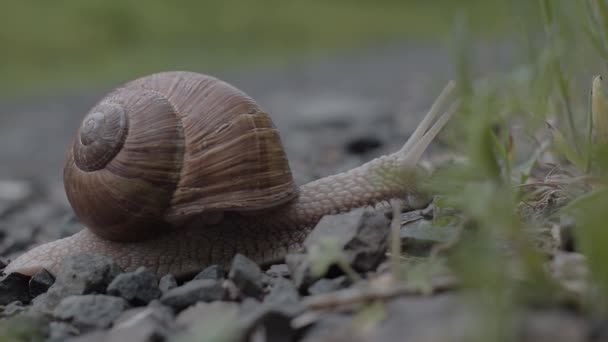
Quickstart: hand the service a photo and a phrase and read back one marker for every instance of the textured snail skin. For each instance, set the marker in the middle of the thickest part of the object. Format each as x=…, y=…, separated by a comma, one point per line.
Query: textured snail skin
x=264, y=236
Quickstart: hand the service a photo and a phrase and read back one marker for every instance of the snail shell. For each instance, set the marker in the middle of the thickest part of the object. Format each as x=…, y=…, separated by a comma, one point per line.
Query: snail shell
x=169, y=148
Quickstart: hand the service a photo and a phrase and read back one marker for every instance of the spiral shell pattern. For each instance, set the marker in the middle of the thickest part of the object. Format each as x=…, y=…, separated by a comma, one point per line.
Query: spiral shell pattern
x=171, y=148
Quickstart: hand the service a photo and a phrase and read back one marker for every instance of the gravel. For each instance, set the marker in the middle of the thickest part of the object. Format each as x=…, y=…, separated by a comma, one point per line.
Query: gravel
x=138, y=288
x=326, y=285
x=206, y=290
x=284, y=298
x=89, y=312
x=201, y=312
x=78, y=275
x=166, y=283
x=247, y=276
x=299, y=268
x=361, y=235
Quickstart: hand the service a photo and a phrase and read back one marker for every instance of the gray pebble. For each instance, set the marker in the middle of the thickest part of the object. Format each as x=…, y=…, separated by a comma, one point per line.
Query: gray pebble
x=247, y=276
x=14, y=287
x=215, y=272
x=271, y=319
x=278, y=270
x=201, y=312
x=152, y=323
x=284, y=297
x=327, y=285
x=205, y=290
x=299, y=268
x=86, y=273
x=90, y=311
x=138, y=288
x=268, y=322
x=362, y=234
x=40, y=283
x=166, y=283
x=78, y=275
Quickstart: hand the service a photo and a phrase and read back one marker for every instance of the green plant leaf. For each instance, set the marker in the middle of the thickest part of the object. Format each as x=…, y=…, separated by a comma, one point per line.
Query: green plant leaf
x=564, y=148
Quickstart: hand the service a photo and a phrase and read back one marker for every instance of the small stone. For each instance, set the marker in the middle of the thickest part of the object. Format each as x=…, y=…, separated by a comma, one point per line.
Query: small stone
x=14, y=287
x=90, y=311
x=205, y=290
x=362, y=234
x=268, y=321
x=166, y=283
x=138, y=288
x=154, y=308
x=247, y=276
x=278, y=270
x=299, y=267
x=201, y=312
x=40, y=283
x=61, y=331
x=284, y=298
x=210, y=322
x=86, y=273
x=152, y=323
x=327, y=285
x=271, y=320
x=78, y=275
x=215, y=272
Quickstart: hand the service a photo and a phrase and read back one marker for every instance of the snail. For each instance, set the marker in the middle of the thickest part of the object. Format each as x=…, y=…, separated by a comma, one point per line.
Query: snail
x=178, y=170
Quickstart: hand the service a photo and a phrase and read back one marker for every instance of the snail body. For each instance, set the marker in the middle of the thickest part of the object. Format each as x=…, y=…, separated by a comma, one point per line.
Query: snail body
x=178, y=170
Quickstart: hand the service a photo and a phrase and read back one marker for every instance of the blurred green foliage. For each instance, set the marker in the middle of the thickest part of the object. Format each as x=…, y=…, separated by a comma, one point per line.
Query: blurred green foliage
x=496, y=259
x=54, y=43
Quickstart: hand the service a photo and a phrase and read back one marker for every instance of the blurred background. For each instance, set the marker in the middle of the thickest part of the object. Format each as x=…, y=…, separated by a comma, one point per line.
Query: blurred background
x=320, y=64
x=69, y=42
